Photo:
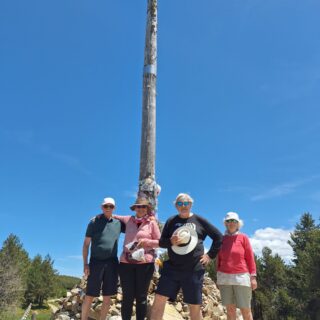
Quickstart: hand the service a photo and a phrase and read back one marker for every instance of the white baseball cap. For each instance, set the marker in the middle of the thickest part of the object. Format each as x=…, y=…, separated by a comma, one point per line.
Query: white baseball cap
x=232, y=215
x=108, y=201
x=235, y=216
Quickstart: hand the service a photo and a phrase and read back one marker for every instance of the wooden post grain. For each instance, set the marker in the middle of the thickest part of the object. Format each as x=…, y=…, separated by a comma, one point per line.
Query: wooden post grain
x=147, y=185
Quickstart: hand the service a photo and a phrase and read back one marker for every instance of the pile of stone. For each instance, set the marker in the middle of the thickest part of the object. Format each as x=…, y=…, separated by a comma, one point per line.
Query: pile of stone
x=69, y=308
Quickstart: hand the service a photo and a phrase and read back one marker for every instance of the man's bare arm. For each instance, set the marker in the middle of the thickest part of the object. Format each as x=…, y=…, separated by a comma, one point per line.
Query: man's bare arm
x=85, y=250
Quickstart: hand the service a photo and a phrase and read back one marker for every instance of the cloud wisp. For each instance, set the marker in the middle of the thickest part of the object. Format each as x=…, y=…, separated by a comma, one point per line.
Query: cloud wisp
x=27, y=139
x=75, y=257
x=276, y=191
x=130, y=193
x=282, y=189
x=275, y=239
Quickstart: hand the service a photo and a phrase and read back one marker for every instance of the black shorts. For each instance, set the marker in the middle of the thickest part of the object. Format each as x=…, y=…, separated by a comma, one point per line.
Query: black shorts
x=171, y=281
x=103, y=275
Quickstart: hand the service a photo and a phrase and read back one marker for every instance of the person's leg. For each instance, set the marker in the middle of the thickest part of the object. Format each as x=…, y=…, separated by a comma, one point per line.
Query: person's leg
x=195, y=312
x=109, y=285
x=105, y=307
x=86, y=307
x=93, y=287
x=158, y=306
x=228, y=300
x=231, y=311
x=191, y=284
x=127, y=279
x=243, y=297
x=168, y=287
x=246, y=313
x=144, y=274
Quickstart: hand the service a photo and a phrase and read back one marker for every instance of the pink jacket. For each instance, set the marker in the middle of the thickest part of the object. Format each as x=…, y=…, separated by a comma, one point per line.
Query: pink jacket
x=148, y=231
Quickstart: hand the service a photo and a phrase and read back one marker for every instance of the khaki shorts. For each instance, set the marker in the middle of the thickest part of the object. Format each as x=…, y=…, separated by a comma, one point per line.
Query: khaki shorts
x=238, y=295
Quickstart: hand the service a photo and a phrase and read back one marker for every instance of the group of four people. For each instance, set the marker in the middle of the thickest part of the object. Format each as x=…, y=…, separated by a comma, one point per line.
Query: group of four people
x=183, y=236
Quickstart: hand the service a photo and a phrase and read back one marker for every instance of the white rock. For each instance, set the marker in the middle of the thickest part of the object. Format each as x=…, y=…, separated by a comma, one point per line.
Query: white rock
x=179, y=307
x=170, y=313
x=63, y=317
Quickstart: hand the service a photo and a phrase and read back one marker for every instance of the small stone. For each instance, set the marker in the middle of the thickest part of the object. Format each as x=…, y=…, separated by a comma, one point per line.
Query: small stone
x=63, y=317
x=185, y=308
x=179, y=307
x=185, y=315
x=119, y=297
x=75, y=291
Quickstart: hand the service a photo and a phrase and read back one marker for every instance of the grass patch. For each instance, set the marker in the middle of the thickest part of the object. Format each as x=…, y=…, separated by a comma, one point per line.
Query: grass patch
x=42, y=313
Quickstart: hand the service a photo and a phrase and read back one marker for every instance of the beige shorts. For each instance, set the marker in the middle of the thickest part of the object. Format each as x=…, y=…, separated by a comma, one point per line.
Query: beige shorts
x=238, y=295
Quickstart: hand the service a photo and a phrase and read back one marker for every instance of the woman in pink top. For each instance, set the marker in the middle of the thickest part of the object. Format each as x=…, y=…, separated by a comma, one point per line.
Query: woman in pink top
x=236, y=276
x=137, y=259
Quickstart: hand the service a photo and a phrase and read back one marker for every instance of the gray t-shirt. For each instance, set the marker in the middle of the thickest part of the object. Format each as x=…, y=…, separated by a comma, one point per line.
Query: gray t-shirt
x=104, y=236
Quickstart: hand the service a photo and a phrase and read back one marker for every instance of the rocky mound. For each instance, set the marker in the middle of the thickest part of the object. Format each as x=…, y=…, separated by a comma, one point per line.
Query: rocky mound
x=69, y=308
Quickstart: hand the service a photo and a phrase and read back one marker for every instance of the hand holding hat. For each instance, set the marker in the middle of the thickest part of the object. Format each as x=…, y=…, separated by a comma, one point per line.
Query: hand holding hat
x=184, y=240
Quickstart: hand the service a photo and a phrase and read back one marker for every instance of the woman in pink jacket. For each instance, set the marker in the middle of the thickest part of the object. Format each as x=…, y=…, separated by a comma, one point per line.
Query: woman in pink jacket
x=137, y=259
x=236, y=276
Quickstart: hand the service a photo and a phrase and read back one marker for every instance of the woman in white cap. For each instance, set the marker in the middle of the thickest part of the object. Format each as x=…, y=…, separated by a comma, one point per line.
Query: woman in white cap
x=137, y=259
x=183, y=236
x=236, y=269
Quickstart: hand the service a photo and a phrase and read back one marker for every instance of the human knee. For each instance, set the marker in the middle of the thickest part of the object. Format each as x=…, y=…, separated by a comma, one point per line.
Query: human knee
x=159, y=300
x=195, y=311
x=106, y=299
x=231, y=310
x=88, y=299
x=158, y=306
x=246, y=312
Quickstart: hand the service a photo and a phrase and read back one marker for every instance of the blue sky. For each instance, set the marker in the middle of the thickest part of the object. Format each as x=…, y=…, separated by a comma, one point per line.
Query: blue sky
x=238, y=118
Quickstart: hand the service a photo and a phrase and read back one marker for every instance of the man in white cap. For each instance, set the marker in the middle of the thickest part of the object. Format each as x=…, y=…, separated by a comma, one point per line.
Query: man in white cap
x=102, y=271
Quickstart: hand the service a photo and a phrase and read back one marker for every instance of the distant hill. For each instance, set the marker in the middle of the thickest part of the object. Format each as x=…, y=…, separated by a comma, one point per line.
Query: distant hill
x=65, y=283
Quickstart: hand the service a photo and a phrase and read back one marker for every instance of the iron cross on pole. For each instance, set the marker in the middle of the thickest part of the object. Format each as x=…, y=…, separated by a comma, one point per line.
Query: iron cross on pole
x=148, y=187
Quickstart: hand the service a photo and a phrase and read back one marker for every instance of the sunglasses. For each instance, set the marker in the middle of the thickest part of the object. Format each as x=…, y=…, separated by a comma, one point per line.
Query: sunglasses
x=142, y=206
x=232, y=220
x=185, y=203
x=108, y=206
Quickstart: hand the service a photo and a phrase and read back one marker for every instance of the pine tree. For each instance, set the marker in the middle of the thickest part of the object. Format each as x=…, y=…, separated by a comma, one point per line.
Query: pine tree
x=302, y=233
x=49, y=278
x=305, y=274
x=271, y=301
x=14, y=263
x=13, y=251
x=41, y=280
x=10, y=288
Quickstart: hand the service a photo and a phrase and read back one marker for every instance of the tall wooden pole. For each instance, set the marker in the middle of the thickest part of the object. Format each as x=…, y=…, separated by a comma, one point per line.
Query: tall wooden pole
x=148, y=187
